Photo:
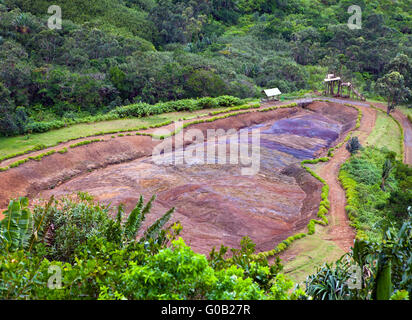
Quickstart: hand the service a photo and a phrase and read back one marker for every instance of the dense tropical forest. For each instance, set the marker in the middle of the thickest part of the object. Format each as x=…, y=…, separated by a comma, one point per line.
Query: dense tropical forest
x=118, y=69
x=112, y=53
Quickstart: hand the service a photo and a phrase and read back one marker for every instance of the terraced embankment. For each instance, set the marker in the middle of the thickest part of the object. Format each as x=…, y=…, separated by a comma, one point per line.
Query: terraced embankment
x=215, y=203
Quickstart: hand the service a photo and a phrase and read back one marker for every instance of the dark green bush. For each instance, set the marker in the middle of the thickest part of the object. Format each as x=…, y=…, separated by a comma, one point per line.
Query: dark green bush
x=353, y=145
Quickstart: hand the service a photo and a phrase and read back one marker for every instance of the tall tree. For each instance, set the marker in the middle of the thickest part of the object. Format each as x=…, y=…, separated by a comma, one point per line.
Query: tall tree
x=392, y=86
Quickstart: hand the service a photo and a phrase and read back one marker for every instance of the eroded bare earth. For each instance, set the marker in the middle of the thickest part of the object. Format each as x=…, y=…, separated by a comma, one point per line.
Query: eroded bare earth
x=215, y=203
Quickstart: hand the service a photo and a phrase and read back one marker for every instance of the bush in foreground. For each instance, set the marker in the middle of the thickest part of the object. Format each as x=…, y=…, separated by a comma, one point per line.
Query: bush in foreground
x=104, y=258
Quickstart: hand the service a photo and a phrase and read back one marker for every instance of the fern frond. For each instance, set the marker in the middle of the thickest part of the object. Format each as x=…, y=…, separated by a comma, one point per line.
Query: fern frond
x=153, y=231
x=119, y=215
x=145, y=211
x=129, y=227
x=41, y=224
x=17, y=226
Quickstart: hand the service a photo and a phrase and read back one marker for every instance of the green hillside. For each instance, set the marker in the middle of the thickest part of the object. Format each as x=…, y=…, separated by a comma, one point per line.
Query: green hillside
x=111, y=53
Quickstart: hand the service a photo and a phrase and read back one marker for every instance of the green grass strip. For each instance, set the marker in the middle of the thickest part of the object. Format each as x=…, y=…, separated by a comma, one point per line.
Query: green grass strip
x=402, y=142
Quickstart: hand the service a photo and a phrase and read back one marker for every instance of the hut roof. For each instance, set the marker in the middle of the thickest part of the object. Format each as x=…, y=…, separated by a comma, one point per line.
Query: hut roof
x=272, y=92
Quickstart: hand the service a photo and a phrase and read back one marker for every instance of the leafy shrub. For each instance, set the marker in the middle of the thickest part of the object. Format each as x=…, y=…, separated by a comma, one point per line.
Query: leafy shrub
x=144, y=109
x=69, y=223
x=368, y=206
x=330, y=283
x=364, y=171
x=385, y=270
x=353, y=145
x=16, y=227
x=100, y=258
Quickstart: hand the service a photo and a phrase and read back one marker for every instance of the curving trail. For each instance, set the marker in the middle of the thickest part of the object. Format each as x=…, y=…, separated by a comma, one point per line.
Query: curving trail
x=328, y=243
x=339, y=229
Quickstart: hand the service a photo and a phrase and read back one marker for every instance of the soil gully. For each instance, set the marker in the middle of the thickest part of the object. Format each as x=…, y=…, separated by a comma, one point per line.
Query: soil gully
x=215, y=203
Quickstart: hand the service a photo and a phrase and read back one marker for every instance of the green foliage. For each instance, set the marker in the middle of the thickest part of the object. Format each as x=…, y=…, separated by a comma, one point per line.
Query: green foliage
x=384, y=270
x=172, y=50
x=368, y=206
x=282, y=246
x=78, y=236
x=42, y=155
x=329, y=282
x=85, y=142
x=35, y=148
x=353, y=145
x=392, y=85
x=400, y=295
x=383, y=281
x=16, y=227
x=143, y=109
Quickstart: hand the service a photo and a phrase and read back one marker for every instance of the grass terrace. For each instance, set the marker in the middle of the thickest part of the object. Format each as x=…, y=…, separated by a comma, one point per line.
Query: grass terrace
x=17, y=144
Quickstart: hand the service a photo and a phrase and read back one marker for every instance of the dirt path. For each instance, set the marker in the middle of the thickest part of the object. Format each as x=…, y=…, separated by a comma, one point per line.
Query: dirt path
x=407, y=128
x=328, y=243
x=339, y=230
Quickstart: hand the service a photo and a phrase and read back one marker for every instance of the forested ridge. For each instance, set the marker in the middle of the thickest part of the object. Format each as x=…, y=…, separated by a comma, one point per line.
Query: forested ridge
x=122, y=68
x=111, y=53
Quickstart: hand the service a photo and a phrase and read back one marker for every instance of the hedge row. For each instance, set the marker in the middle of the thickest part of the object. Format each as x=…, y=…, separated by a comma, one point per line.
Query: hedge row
x=37, y=147
x=349, y=185
x=281, y=246
x=315, y=161
x=138, y=110
x=85, y=142
x=42, y=155
x=144, y=109
x=324, y=204
x=290, y=105
x=35, y=158
x=253, y=106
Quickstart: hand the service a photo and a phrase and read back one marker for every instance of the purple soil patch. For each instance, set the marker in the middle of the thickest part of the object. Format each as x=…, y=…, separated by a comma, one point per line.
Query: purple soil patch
x=297, y=153
x=312, y=126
